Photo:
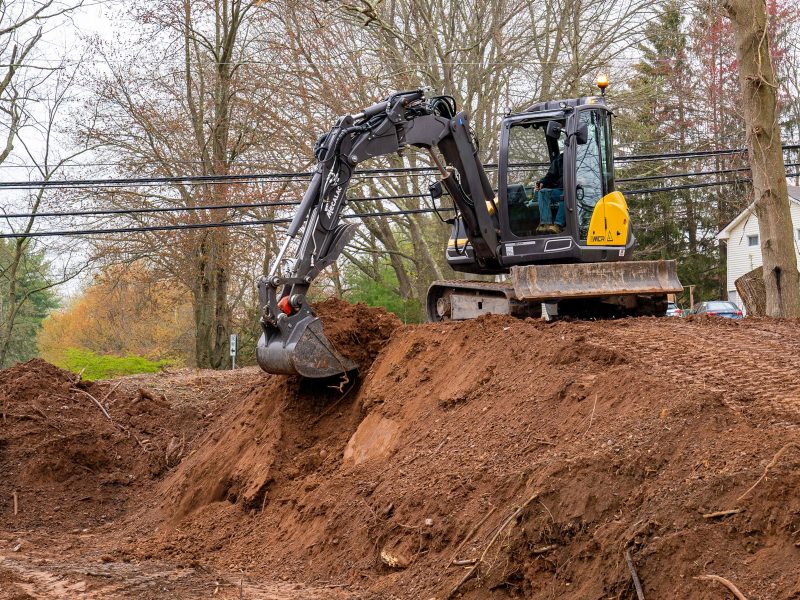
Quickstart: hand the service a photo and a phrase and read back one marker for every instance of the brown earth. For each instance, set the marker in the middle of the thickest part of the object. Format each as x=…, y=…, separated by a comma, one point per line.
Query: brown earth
x=610, y=436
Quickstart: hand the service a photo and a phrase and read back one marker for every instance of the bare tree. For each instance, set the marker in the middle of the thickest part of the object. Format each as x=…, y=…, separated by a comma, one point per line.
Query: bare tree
x=759, y=96
x=197, y=106
x=20, y=33
x=31, y=97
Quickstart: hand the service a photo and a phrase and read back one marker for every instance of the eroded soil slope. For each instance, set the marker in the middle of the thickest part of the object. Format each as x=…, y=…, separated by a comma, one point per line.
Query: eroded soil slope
x=629, y=434
x=676, y=440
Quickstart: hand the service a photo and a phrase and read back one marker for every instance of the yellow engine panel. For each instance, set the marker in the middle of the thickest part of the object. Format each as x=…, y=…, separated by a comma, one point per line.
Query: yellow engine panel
x=610, y=222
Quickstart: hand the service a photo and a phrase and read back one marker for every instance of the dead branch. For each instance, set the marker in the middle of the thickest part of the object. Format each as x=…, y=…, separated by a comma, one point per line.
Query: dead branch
x=634, y=575
x=545, y=442
x=722, y=513
x=474, y=570
x=771, y=464
x=111, y=391
x=96, y=401
x=734, y=590
x=471, y=534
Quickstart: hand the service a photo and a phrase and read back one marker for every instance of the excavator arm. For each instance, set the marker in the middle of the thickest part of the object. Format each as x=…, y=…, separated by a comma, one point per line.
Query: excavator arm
x=293, y=341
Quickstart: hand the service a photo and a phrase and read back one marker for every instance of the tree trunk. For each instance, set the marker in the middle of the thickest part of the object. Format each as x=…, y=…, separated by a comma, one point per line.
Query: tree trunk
x=202, y=306
x=757, y=79
x=11, y=301
x=752, y=292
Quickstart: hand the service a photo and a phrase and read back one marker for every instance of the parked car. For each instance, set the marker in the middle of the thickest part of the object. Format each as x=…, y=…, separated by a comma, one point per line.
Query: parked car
x=718, y=308
x=673, y=310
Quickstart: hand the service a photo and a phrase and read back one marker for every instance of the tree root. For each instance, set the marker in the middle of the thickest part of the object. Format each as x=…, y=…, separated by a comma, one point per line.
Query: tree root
x=474, y=570
x=734, y=590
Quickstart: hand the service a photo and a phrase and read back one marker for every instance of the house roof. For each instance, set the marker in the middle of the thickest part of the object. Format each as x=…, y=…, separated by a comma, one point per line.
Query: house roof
x=794, y=196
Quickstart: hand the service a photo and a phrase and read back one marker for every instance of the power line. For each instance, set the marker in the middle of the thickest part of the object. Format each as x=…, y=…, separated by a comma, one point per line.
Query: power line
x=185, y=226
x=298, y=176
x=691, y=154
x=688, y=186
x=172, y=209
x=688, y=174
x=168, y=209
x=82, y=232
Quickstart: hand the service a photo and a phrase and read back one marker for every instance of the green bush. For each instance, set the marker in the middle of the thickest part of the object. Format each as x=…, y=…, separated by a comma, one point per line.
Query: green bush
x=373, y=293
x=97, y=366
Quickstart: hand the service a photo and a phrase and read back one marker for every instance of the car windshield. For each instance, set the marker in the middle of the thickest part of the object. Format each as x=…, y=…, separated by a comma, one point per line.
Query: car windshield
x=721, y=306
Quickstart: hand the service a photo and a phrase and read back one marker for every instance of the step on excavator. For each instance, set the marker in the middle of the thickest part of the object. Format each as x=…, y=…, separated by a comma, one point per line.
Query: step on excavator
x=556, y=223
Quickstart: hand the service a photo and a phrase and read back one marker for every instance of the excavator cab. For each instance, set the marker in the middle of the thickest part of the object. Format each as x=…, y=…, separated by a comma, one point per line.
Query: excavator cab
x=556, y=197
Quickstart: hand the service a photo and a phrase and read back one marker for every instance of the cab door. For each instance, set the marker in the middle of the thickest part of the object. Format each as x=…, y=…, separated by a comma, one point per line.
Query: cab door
x=594, y=170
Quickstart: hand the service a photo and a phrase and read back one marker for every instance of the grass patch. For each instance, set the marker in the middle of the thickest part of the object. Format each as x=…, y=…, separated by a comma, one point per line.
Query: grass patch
x=106, y=366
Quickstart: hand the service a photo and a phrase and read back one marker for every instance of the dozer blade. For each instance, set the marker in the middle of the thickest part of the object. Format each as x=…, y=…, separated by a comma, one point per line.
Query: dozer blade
x=595, y=280
x=305, y=351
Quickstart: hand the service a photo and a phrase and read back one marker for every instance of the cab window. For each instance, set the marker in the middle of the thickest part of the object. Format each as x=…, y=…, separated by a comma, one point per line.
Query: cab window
x=530, y=154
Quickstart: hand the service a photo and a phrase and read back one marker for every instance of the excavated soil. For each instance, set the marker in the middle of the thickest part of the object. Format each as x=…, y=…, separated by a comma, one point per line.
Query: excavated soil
x=520, y=457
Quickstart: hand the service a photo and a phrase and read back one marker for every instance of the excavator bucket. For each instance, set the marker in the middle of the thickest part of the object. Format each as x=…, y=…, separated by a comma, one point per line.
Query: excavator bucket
x=304, y=351
x=595, y=280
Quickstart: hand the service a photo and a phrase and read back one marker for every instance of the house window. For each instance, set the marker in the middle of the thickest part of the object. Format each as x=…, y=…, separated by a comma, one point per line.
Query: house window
x=798, y=234
x=752, y=240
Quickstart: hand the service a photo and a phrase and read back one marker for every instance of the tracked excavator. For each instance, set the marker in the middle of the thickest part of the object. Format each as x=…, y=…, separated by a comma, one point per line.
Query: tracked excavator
x=580, y=267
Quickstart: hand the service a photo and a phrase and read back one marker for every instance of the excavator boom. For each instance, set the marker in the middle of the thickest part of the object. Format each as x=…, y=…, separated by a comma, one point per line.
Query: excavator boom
x=292, y=341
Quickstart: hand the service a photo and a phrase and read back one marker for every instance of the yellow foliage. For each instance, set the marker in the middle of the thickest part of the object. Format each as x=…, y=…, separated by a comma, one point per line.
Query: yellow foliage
x=124, y=311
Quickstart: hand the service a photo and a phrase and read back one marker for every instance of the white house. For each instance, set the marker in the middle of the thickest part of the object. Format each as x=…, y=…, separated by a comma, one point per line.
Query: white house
x=744, y=245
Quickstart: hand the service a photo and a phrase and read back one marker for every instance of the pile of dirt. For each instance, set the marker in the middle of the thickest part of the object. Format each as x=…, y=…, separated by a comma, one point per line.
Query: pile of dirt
x=540, y=452
x=73, y=452
x=357, y=331
x=522, y=458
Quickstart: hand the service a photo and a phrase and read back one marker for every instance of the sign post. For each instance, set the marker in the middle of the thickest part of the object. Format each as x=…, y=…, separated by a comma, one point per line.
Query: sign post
x=234, y=339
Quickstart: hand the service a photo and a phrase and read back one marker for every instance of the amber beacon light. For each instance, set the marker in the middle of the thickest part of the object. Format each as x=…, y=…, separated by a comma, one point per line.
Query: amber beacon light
x=602, y=83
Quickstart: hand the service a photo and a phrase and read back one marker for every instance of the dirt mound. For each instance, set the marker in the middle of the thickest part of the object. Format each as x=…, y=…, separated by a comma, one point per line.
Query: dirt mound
x=72, y=451
x=540, y=452
x=536, y=454
x=357, y=331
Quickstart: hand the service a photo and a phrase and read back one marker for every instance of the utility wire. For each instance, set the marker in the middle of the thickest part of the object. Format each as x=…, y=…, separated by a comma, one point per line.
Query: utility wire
x=84, y=232
x=285, y=203
x=168, y=209
x=114, y=182
x=81, y=232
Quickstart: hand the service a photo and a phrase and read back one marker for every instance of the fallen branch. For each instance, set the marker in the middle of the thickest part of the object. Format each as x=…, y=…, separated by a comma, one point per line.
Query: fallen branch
x=474, y=570
x=111, y=391
x=471, y=534
x=734, y=590
x=722, y=513
x=545, y=442
x=768, y=467
x=544, y=549
x=634, y=575
x=96, y=401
